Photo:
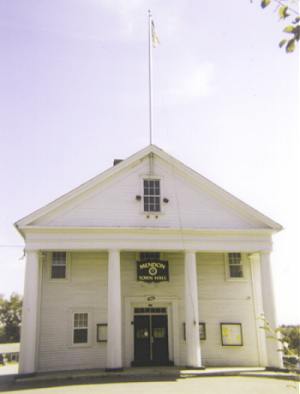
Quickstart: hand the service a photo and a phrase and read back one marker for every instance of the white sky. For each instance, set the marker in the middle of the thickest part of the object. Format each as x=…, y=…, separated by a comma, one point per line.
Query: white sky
x=73, y=96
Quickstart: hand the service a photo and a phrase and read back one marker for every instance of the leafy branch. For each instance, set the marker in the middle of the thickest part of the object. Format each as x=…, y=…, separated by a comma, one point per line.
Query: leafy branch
x=277, y=334
x=286, y=12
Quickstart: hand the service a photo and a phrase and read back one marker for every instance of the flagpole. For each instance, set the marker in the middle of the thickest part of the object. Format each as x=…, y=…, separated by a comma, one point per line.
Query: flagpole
x=150, y=77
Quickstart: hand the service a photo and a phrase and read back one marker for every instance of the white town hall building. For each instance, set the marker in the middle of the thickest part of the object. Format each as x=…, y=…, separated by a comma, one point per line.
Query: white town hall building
x=148, y=263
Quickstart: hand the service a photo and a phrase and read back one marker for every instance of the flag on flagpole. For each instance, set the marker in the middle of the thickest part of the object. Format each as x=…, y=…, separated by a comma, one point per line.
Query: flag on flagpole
x=155, y=39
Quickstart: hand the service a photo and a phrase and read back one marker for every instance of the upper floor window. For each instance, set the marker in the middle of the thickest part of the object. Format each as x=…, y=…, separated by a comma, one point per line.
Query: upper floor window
x=235, y=265
x=151, y=195
x=59, y=265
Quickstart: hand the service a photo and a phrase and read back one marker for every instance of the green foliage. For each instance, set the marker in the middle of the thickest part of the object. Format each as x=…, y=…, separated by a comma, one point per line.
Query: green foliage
x=291, y=45
x=265, y=3
x=291, y=335
x=285, y=11
x=10, y=318
x=288, y=339
x=289, y=29
x=2, y=334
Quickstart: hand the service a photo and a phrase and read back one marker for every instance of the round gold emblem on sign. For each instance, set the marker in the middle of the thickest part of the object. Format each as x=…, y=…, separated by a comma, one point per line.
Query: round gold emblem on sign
x=152, y=271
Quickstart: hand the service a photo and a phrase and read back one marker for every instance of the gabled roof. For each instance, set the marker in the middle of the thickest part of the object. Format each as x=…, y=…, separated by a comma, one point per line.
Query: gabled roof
x=228, y=198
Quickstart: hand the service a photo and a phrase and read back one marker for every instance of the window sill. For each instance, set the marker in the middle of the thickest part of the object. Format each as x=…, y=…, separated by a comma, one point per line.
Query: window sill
x=229, y=279
x=56, y=280
x=80, y=345
x=152, y=214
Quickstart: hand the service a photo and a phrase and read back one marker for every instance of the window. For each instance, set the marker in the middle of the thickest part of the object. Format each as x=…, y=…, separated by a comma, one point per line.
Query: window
x=146, y=256
x=235, y=265
x=151, y=195
x=59, y=265
x=159, y=332
x=147, y=311
x=80, y=328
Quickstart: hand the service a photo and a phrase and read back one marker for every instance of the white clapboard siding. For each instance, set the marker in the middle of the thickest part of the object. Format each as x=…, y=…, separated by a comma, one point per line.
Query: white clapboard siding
x=225, y=301
x=113, y=203
x=219, y=301
x=233, y=311
x=86, y=291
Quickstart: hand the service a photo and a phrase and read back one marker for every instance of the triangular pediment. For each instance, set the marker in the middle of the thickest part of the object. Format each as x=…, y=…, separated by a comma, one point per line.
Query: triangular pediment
x=111, y=200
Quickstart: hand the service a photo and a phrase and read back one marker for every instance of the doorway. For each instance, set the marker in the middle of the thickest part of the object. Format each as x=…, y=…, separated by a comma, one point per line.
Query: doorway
x=151, y=336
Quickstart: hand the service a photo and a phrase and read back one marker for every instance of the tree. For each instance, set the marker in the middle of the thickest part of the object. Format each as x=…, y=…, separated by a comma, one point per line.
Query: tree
x=291, y=335
x=10, y=318
x=288, y=340
x=287, y=12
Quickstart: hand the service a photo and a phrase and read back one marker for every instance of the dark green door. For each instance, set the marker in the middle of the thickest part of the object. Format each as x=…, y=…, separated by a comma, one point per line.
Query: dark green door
x=151, y=340
x=160, y=348
x=142, y=354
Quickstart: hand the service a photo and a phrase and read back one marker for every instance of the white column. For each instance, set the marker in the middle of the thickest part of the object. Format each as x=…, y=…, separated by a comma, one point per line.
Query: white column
x=27, y=362
x=273, y=355
x=193, y=351
x=258, y=308
x=114, y=313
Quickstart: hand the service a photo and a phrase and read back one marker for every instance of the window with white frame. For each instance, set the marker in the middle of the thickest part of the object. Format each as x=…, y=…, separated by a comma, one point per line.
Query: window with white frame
x=58, y=265
x=146, y=256
x=80, y=328
x=235, y=265
x=152, y=195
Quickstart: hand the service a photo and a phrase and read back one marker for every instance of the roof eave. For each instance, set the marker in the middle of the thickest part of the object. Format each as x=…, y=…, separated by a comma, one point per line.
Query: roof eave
x=83, y=187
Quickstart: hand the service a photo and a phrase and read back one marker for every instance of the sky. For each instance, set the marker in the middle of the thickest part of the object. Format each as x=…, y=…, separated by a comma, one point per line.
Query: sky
x=74, y=96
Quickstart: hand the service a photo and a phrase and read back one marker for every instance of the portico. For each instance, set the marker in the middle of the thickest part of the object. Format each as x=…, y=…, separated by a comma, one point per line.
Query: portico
x=81, y=274
x=120, y=347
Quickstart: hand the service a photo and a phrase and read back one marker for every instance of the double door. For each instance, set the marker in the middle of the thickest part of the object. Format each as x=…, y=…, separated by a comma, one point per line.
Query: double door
x=151, y=338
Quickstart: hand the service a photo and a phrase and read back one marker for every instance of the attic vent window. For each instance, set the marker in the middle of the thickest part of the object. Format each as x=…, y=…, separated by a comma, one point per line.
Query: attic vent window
x=151, y=195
